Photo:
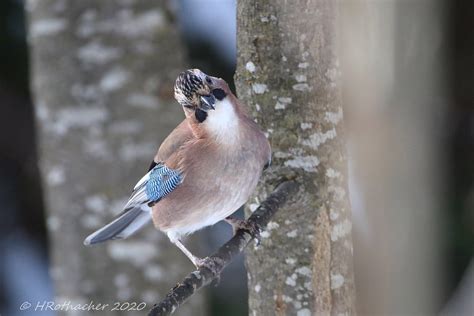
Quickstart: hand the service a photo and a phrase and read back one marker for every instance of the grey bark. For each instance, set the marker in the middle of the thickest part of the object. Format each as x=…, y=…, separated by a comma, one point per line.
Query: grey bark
x=103, y=73
x=288, y=73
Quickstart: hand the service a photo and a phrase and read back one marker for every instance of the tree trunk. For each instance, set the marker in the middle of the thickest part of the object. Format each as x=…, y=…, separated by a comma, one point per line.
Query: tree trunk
x=288, y=73
x=103, y=73
x=393, y=56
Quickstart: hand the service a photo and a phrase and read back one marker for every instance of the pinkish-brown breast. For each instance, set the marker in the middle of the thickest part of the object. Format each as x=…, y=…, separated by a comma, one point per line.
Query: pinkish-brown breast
x=175, y=139
x=217, y=180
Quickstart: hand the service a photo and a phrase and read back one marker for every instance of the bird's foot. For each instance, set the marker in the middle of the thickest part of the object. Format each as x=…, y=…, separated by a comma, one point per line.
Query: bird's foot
x=251, y=227
x=214, y=265
x=200, y=262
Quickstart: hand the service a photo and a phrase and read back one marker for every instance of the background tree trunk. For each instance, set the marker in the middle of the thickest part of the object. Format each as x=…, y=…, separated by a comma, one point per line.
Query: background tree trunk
x=288, y=73
x=394, y=60
x=103, y=73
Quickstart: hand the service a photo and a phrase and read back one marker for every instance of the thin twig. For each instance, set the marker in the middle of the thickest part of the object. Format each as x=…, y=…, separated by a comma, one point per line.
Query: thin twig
x=224, y=255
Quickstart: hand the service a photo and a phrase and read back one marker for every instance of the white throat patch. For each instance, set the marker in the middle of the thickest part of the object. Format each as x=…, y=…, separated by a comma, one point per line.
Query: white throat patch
x=222, y=122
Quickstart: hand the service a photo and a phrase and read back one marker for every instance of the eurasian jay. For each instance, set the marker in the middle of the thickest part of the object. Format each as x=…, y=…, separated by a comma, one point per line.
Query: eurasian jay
x=204, y=170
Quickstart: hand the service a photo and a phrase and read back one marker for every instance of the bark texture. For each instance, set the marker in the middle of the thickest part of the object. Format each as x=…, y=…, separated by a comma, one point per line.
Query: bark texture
x=103, y=73
x=288, y=73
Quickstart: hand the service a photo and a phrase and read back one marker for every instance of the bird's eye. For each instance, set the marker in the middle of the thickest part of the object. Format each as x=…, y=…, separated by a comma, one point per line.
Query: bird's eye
x=208, y=80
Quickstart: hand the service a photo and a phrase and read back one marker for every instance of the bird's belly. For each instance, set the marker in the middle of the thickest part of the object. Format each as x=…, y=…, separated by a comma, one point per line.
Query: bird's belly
x=205, y=198
x=214, y=203
x=215, y=211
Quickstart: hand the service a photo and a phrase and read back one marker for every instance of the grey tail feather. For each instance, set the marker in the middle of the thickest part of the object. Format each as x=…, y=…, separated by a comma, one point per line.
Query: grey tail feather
x=125, y=225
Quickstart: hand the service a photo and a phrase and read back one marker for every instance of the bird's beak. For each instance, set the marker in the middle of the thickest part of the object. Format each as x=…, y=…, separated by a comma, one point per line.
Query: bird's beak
x=207, y=102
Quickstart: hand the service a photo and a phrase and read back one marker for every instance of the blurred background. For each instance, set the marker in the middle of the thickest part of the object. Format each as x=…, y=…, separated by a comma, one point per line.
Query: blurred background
x=205, y=34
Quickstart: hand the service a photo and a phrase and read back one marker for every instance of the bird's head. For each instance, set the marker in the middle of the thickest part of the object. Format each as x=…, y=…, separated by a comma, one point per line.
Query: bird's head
x=198, y=93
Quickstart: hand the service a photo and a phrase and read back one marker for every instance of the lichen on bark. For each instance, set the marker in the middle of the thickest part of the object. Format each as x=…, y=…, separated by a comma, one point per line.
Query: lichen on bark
x=288, y=75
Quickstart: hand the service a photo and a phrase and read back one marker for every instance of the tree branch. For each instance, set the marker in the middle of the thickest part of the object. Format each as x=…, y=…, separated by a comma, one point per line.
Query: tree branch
x=224, y=255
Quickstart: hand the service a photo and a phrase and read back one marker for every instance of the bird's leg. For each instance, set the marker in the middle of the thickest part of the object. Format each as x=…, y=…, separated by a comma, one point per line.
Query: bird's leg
x=238, y=223
x=198, y=262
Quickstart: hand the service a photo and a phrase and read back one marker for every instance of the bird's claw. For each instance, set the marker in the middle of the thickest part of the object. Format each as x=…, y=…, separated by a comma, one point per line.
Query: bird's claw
x=254, y=230
x=251, y=227
x=207, y=263
x=201, y=262
x=214, y=265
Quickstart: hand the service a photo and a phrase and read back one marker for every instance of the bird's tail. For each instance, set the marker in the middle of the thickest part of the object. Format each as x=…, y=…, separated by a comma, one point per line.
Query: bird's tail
x=127, y=223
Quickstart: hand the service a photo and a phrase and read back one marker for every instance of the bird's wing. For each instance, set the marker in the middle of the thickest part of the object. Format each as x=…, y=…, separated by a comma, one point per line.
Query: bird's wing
x=151, y=188
x=181, y=134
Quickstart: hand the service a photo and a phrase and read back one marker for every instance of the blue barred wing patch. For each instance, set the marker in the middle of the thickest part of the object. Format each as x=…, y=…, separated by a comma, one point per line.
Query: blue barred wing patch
x=162, y=181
